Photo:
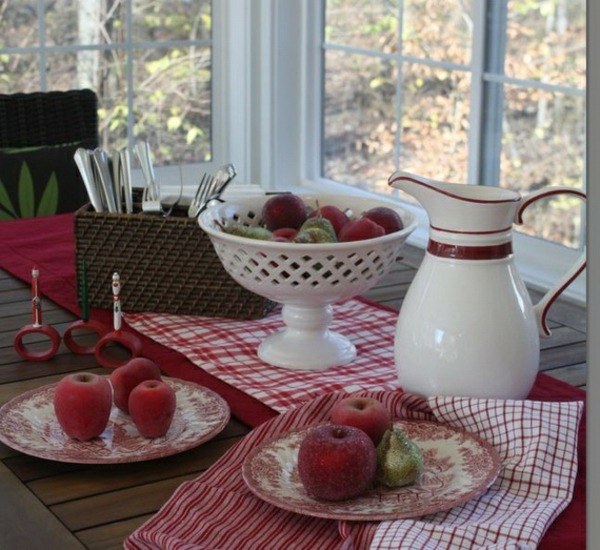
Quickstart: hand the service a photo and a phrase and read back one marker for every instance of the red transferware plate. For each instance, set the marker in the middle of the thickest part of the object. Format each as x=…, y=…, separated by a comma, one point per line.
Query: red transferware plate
x=28, y=424
x=458, y=467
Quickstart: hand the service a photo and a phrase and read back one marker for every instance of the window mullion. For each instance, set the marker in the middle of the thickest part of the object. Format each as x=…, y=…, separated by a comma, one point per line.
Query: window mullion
x=494, y=46
x=312, y=89
x=129, y=73
x=474, y=171
x=399, y=87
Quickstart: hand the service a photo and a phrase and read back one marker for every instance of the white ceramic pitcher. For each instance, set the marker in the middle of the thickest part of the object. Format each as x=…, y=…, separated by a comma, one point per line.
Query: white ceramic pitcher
x=467, y=326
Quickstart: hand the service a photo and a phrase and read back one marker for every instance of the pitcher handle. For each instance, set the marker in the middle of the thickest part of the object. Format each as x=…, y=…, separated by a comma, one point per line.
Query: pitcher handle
x=542, y=307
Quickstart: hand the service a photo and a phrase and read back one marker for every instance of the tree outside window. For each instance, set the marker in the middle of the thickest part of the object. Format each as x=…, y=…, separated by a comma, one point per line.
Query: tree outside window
x=459, y=90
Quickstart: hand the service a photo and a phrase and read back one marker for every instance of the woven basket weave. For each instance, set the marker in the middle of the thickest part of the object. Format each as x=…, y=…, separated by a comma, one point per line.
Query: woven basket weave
x=166, y=265
x=49, y=118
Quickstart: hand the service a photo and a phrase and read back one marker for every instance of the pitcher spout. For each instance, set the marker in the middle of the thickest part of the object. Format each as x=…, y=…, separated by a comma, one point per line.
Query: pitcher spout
x=460, y=208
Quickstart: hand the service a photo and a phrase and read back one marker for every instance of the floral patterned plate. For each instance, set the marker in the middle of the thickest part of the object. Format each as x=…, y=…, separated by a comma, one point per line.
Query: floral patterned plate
x=28, y=424
x=458, y=466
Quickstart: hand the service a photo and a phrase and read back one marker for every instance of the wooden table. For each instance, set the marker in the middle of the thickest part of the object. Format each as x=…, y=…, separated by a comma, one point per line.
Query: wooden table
x=46, y=504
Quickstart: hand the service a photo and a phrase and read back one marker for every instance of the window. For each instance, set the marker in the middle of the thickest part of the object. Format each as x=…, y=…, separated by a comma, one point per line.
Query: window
x=338, y=93
x=150, y=62
x=459, y=90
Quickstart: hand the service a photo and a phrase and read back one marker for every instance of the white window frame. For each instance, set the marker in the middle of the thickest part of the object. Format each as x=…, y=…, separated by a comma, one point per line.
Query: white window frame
x=266, y=91
x=284, y=133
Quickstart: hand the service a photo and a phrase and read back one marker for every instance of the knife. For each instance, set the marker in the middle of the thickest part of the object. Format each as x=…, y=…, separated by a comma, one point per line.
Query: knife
x=125, y=163
x=83, y=162
x=115, y=167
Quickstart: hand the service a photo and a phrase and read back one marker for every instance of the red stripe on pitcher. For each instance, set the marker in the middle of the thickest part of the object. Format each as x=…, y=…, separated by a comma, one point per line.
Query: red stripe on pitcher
x=460, y=252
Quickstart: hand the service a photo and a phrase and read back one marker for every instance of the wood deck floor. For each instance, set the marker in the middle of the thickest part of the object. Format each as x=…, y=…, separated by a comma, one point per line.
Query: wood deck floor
x=563, y=354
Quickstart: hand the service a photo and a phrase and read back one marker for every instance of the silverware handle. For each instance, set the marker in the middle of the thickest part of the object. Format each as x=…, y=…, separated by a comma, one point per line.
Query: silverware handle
x=142, y=151
x=117, y=180
x=126, y=171
x=82, y=160
x=101, y=164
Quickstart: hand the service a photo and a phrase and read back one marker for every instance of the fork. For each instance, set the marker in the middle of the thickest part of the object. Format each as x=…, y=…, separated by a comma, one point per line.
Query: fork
x=222, y=179
x=206, y=182
x=176, y=202
x=151, y=195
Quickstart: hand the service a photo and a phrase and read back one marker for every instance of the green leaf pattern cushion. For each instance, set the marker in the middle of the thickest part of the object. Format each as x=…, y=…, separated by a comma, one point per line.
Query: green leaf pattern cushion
x=39, y=181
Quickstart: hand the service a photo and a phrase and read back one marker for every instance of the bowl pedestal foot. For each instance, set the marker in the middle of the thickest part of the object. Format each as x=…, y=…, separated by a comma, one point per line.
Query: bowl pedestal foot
x=307, y=343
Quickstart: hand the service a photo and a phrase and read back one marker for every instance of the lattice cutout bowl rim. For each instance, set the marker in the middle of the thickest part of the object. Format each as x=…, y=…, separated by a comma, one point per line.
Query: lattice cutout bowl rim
x=308, y=279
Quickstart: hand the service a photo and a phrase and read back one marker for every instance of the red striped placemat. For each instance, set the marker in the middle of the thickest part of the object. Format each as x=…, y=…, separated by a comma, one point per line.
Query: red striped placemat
x=536, y=440
x=226, y=349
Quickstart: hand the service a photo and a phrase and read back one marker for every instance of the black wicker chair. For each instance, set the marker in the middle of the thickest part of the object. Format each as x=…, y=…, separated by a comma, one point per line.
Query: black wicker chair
x=48, y=118
x=39, y=133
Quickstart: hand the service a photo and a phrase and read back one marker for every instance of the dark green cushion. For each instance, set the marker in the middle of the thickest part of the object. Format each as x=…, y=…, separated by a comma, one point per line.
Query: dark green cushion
x=40, y=181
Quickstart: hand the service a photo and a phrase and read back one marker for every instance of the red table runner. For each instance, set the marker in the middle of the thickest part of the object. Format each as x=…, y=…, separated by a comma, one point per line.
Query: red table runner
x=48, y=242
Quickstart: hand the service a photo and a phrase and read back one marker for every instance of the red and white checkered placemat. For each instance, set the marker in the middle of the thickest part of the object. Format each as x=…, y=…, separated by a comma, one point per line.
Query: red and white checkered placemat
x=536, y=440
x=226, y=349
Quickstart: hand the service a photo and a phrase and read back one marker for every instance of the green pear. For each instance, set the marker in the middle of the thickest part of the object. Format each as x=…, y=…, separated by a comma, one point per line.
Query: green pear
x=313, y=235
x=322, y=225
x=259, y=233
x=399, y=459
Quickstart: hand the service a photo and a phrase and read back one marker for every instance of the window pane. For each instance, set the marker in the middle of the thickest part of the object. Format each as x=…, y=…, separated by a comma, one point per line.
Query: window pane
x=435, y=122
x=359, y=120
x=173, y=103
x=543, y=144
x=171, y=86
x=19, y=73
x=363, y=24
x=174, y=20
x=61, y=71
x=18, y=24
x=440, y=30
x=90, y=22
x=112, y=115
x=546, y=41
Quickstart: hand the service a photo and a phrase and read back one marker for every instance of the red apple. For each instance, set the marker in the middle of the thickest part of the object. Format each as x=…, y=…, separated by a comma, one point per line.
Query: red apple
x=284, y=210
x=336, y=462
x=284, y=233
x=82, y=403
x=337, y=218
x=152, y=407
x=361, y=229
x=128, y=376
x=365, y=413
x=387, y=218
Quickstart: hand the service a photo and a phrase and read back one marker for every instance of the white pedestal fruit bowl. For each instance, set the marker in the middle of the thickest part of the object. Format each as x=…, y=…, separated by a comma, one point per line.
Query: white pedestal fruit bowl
x=306, y=278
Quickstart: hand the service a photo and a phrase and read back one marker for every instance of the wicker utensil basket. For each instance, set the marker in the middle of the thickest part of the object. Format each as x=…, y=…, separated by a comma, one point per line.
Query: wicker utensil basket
x=166, y=265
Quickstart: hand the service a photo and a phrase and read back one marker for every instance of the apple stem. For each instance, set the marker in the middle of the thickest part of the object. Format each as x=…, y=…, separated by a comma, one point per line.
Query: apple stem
x=338, y=433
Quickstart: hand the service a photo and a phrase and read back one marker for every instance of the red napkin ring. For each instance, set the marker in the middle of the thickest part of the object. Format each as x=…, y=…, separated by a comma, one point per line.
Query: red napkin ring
x=125, y=339
x=44, y=355
x=94, y=326
x=36, y=327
